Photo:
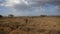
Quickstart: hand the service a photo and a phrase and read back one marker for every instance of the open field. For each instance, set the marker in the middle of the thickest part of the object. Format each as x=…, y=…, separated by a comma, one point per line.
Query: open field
x=30, y=25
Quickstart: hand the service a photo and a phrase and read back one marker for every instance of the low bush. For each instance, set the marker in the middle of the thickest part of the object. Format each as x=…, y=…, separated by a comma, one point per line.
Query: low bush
x=14, y=25
x=43, y=15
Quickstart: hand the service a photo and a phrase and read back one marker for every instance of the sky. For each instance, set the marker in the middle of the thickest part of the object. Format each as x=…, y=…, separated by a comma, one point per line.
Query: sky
x=29, y=7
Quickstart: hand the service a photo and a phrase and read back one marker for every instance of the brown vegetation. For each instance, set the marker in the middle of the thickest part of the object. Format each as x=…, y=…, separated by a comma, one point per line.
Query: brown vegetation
x=30, y=25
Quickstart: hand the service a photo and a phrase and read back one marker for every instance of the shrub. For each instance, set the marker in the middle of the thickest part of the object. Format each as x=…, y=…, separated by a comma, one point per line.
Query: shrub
x=2, y=31
x=1, y=16
x=14, y=25
x=58, y=32
x=43, y=15
x=10, y=15
x=42, y=30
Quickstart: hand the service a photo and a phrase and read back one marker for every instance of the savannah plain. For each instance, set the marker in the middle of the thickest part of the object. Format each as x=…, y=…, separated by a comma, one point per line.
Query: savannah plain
x=30, y=25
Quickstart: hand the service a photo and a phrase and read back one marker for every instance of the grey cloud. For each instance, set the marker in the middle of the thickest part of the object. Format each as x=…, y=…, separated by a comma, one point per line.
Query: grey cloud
x=34, y=3
x=36, y=7
x=22, y=7
x=46, y=1
x=2, y=1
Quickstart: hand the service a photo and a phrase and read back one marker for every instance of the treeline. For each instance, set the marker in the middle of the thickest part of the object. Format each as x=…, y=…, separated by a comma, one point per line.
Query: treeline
x=11, y=15
x=1, y=16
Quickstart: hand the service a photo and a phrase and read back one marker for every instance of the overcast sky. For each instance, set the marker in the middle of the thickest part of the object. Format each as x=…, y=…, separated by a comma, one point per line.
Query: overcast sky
x=30, y=7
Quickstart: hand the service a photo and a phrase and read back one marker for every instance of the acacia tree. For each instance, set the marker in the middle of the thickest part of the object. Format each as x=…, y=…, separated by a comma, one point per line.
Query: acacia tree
x=10, y=15
x=43, y=15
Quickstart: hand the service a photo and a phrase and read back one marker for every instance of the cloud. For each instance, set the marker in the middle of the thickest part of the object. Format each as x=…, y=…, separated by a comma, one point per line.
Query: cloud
x=32, y=7
x=28, y=4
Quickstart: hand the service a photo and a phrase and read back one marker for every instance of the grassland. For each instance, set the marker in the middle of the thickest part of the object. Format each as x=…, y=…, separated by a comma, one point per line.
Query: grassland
x=30, y=25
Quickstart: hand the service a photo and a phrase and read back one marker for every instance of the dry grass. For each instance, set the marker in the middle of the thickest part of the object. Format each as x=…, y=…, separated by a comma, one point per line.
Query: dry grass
x=30, y=25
